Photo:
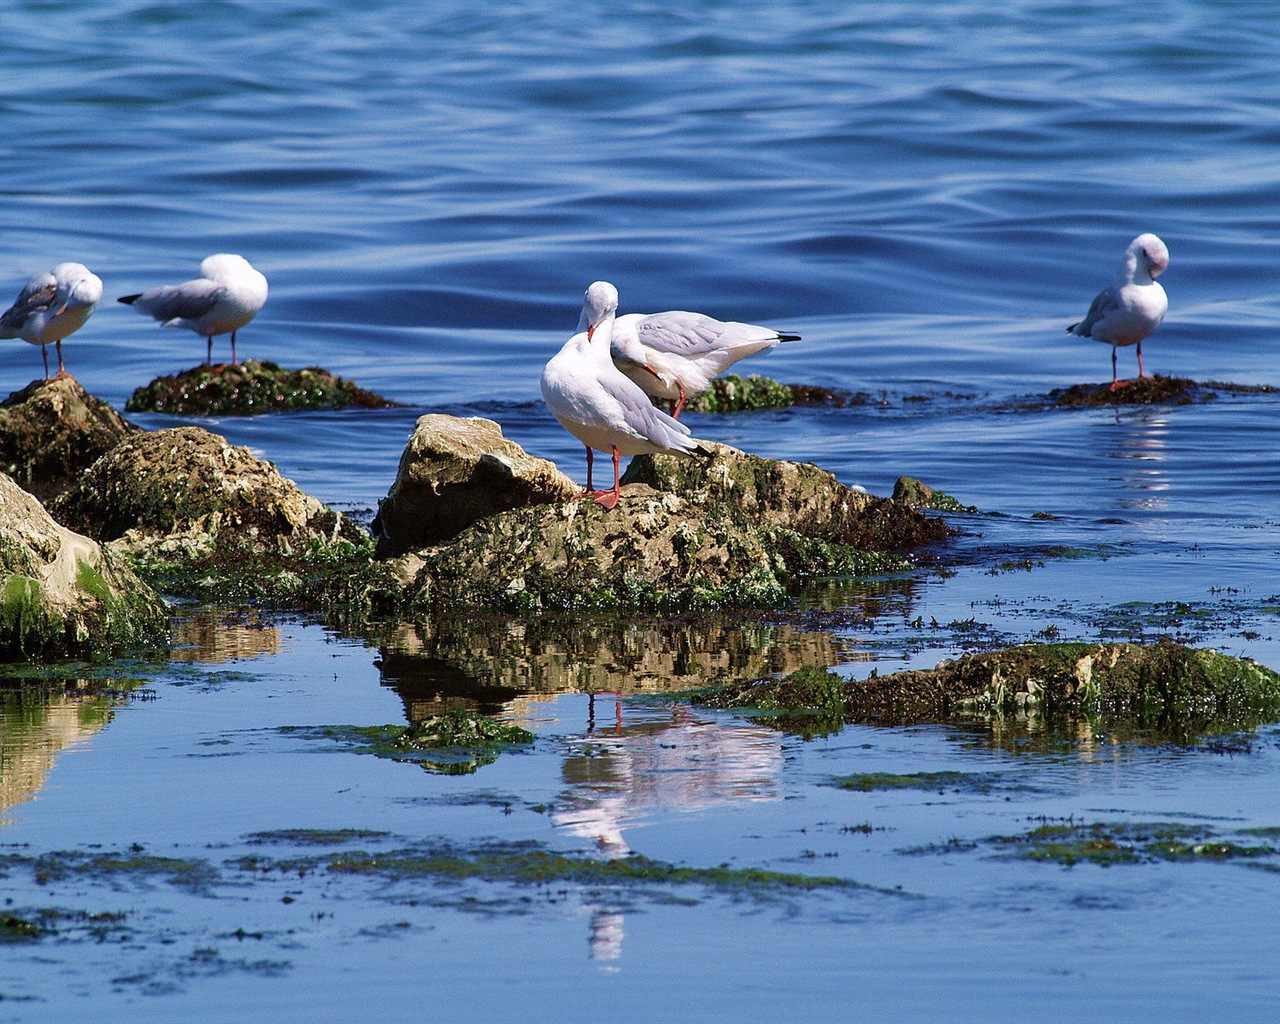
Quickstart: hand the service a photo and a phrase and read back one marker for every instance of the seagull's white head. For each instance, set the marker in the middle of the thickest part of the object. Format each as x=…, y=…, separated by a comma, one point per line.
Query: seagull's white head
x=222, y=265
x=77, y=283
x=599, y=304
x=1149, y=252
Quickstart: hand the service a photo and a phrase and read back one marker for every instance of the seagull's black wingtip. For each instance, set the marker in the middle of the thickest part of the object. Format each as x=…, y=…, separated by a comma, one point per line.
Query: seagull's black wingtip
x=788, y=337
x=129, y=300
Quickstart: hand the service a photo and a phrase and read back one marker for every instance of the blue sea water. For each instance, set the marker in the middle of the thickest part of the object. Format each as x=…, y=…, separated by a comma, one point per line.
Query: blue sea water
x=929, y=192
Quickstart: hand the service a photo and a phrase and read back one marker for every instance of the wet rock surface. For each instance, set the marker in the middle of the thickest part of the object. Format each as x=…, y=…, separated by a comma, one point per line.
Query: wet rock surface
x=917, y=494
x=186, y=493
x=52, y=430
x=796, y=496
x=250, y=389
x=455, y=471
x=733, y=531
x=1165, y=685
x=61, y=594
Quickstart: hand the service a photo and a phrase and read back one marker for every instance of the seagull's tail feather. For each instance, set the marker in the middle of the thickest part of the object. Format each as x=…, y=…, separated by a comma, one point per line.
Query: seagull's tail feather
x=129, y=300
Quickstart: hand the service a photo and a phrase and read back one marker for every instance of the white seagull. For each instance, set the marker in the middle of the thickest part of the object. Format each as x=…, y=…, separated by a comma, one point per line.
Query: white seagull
x=1133, y=306
x=51, y=306
x=226, y=296
x=675, y=355
x=598, y=405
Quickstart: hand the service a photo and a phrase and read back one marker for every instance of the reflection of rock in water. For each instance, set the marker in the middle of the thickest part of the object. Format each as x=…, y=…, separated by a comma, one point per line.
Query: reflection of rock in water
x=620, y=775
x=215, y=635
x=492, y=660
x=34, y=730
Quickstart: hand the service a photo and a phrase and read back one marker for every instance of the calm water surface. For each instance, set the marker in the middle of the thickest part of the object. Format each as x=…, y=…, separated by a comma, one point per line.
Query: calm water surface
x=927, y=192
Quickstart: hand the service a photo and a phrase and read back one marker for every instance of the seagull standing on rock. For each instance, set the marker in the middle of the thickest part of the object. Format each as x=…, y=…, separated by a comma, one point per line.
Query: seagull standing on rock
x=1133, y=306
x=52, y=305
x=599, y=406
x=226, y=296
x=674, y=355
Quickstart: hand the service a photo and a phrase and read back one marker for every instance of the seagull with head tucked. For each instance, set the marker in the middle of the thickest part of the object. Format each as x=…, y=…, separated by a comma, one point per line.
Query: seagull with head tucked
x=601, y=407
x=52, y=305
x=675, y=355
x=226, y=296
x=1133, y=306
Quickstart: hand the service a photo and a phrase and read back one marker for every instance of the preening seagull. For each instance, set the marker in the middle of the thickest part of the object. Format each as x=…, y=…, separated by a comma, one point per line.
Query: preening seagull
x=675, y=355
x=52, y=305
x=601, y=407
x=226, y=296
x=1133, y=306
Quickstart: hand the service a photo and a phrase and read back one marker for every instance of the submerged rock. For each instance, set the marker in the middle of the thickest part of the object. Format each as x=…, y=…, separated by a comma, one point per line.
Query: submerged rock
x=187, y=494
x=250, y=389
x=1165, y=685
x=61, y=594
x=455, y=471
x=52, y=430
x=1155, y=390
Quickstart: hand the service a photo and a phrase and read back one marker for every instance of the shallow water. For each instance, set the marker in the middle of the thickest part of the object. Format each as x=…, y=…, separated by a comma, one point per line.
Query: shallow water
x=929, y=194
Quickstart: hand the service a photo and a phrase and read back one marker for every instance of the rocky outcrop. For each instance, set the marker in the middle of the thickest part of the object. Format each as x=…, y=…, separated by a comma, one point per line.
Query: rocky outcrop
x=52, y=430
x=61, y=594
x=910, y=491
x=250, y=389
x=796, y=496
x=454, y=472
x=733, y=531
x=186, y=493
x=1164, y=686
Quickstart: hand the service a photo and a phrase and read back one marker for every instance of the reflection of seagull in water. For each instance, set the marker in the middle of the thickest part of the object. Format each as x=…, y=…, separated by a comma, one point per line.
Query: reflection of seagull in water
x=1133, y=306
x=226, y=296
x=52, y=305
x=598, y=405
x=674, y=355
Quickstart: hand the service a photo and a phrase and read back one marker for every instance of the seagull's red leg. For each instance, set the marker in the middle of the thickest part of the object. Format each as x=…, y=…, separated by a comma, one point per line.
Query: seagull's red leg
x=590, y=492
x=234, y=360
x=44, y=351
x=678, y=406
x=1141, y=373
x=62, y=370
x=609, y=499
x=1116, y=385
x=208, y=351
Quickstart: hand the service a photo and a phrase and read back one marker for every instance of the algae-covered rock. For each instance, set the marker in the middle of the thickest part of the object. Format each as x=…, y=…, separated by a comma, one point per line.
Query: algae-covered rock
x=61, y=594
x=794, y=495
x=52, y=430
x=250, y=389
x=1156, y=390
x=455, y=471
x=913, y=492
x=732, y=393
x=187, y=494
x=1165, y=685
x=655, y=551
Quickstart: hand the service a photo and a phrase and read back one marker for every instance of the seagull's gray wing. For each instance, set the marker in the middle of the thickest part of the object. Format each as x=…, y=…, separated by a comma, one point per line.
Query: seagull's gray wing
x=188, y=301
x=1106, y=303
x=38, y=293
x=643, y=419
x=682, y=334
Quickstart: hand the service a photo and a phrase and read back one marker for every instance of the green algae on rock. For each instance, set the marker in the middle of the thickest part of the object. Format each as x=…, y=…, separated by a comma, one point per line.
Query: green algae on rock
x=1165, y=686
x=62, y=594
x=52, y=430
x=913, y=492
x=736, y=532
x=732, y=393
x=186, y=493
x=1110, y=843
x=250, y=389
x=456, y=742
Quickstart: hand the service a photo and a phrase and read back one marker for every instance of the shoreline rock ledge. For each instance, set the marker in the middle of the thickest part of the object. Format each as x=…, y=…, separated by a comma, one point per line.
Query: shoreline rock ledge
x=734, y=530
x=62, y=594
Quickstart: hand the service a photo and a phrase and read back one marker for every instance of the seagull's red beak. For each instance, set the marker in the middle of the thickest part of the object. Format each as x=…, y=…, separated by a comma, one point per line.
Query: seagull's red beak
x=591, y=329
